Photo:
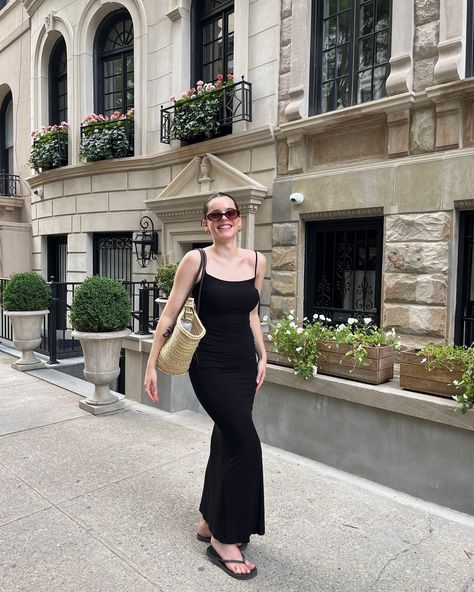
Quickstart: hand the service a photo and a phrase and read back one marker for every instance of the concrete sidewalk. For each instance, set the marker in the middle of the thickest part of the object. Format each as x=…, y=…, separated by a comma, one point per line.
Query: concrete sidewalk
x=109, y=503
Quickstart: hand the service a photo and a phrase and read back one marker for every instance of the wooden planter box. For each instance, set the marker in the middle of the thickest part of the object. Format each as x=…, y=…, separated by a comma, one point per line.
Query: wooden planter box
x=415, y=376
x=378, y=368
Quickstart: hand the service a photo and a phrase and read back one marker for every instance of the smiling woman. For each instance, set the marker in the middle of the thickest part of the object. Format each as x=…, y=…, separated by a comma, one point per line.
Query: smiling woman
x=227, y=371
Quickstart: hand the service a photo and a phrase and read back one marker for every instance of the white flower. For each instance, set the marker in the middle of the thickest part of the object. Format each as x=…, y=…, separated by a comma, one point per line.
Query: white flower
x=322, y=318
x=292, y=311
x=270, y=338
x=290, y=317
x=265, y=318
x=305, y=318
x=299, y=330
x=328, y=319
x=298, y=349
x=455, y=382
x=315, y=371
x=341, y=327
x=292, y=324
x=423, y=361
x=288, y=332
x=315, y=316
x=351, y=321
x=367, y=320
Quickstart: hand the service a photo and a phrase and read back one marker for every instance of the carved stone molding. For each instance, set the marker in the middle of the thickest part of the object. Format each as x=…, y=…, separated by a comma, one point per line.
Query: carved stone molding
x=448, y=66
x=400, y=79
x=452, y=40
x=464, y=204
x=401, y=75
x=351, y=213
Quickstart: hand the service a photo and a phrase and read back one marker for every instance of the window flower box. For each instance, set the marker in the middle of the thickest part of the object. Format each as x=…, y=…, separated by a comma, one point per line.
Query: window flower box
x=206, y=110
x=443, y=370
x=49, y=147
x=104, y=137
x=377, y=367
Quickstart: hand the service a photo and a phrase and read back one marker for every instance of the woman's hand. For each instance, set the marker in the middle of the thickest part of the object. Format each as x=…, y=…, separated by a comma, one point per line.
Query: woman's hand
x=151, y=384
x=261, y=371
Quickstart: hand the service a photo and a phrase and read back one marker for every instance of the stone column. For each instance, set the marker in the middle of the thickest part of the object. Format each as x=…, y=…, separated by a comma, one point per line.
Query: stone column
x=284, y=267
x=416, y=276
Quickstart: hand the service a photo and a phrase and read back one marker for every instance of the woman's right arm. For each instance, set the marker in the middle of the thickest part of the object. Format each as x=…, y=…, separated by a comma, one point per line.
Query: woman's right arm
x=183, y=281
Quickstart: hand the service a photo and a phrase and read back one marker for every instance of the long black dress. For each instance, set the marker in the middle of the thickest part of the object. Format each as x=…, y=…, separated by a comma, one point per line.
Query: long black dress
x=223, y=374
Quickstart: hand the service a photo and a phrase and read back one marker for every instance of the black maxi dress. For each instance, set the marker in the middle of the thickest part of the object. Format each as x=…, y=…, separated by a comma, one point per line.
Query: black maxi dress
x=223, y=374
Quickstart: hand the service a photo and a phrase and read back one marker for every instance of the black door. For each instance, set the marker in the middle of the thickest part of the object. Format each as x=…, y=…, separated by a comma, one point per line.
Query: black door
x=464, y=328
x=343, y=269
x=57, y=269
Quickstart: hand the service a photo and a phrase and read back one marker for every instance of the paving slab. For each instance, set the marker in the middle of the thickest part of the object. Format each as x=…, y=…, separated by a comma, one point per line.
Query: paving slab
x=17, y=499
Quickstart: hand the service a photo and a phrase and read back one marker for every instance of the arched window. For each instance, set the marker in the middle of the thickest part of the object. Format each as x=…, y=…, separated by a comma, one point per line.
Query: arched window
x=213, y=28
x=6, y=135
x=114, y=64
x=58, y=83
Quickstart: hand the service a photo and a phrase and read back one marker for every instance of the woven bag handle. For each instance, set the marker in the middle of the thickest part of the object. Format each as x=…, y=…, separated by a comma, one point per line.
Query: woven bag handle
x=202, y=265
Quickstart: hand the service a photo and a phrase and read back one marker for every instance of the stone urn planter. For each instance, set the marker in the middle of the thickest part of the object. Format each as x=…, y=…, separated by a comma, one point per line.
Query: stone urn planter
x=27, y=337
x=101, y=367
x=26, y=299
x=378, y=366
x=100, y=313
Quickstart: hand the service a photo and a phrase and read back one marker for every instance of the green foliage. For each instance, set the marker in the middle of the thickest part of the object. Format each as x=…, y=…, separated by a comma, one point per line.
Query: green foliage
x=164, y=277
x=49, y=148
x=197, y=110
x=26, y=291
x=300, y=341
x=106, y=137
x=100, y=305
x=449, y=357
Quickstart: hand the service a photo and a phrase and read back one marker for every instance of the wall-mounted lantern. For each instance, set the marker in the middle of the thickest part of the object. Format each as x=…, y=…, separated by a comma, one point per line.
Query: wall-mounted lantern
x=146, y=242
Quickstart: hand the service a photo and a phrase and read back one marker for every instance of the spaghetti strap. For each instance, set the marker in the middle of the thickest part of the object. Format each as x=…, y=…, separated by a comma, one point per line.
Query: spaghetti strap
x=256, y=261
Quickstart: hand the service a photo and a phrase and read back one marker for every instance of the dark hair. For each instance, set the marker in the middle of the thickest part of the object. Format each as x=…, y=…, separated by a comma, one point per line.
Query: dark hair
x=209, y=199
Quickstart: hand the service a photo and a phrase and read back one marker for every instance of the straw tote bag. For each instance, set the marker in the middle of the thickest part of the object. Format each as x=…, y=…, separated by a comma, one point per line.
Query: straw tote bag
x=183, y=338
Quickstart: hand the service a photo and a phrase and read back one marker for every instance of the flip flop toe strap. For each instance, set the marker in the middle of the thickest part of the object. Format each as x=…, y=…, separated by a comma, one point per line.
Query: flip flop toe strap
x=232, y=561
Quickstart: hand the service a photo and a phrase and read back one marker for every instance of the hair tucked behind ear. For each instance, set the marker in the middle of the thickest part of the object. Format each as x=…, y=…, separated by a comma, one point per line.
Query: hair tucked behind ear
x=209, y=199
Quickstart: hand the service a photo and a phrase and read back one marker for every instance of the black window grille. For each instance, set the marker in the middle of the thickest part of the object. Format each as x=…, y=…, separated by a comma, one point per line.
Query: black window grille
x=344, y=269
x=114, y=64
x=464, y=322
x=113, y=256
x=350, y=53
x=213, y=30
x=58, y=83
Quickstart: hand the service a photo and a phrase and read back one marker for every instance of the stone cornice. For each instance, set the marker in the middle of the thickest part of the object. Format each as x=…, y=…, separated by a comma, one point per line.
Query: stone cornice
x=352, y=213
x=459, y=89
x=349, y=115
x=231, y=143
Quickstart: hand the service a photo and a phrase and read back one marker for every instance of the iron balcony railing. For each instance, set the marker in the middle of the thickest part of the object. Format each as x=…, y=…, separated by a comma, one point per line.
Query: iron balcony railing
x=114, y=148
x=234, y=104
x=9, y=185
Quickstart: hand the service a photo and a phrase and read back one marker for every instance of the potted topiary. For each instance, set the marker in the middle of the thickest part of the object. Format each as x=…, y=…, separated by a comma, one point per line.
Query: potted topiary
x=164, y=278
x=100, y=313
x=26, y=299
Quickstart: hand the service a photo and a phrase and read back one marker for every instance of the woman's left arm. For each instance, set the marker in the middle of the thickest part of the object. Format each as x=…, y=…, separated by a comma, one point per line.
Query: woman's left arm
x=256, y=326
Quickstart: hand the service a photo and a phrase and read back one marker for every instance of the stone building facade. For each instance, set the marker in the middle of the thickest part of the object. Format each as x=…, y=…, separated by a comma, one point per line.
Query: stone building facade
x=82, y=203
x=15, y=227
x=399, y=162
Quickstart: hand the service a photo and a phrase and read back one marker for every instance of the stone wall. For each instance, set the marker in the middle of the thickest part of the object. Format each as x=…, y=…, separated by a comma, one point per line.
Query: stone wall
x=284, y=268
x=416, y=275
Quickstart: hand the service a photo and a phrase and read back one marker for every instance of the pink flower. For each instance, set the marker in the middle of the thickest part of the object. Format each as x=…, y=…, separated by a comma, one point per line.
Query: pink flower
x=220, y=76
x=199, y=83
x=230, y=77
x=172, y=98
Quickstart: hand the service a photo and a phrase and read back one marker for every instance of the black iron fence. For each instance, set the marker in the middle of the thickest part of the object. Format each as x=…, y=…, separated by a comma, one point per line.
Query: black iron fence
x=229, y=104
x=57, y=340
x=9, y=185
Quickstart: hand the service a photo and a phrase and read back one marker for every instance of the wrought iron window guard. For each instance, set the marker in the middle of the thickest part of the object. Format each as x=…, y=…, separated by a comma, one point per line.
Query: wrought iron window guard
x=111, y=152
x=234, y=104
x=9, y=185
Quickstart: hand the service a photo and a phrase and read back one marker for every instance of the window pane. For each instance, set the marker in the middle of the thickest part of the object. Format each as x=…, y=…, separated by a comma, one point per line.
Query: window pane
x=329, y=62
x=343, y=93
x=330, y=7
x=207, y=33
x=343, y=60
x=117, y=83
x=381, y=47
x=344, y=28
x=344, y=5
x=327, y=97
x=9, y=125
x=364, y=88
x=365, y=53
x=329, y=33
x=230, y=23
x=366, y=19
x=380, y=76
x=383, y=14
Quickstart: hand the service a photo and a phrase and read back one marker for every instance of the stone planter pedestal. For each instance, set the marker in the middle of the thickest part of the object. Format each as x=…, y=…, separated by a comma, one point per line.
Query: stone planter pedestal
x=101, y=367
x=27, y=336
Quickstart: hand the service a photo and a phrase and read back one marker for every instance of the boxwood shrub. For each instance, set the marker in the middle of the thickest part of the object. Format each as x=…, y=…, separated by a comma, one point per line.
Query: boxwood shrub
x=26, y=291
x=100, y=305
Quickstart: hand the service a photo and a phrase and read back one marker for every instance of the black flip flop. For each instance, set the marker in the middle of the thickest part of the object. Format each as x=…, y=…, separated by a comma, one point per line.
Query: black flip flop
x=222, y=563
x=205, y=539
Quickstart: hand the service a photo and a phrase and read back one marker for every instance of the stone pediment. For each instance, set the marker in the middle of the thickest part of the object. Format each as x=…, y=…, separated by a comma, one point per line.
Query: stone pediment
x=203, y=176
